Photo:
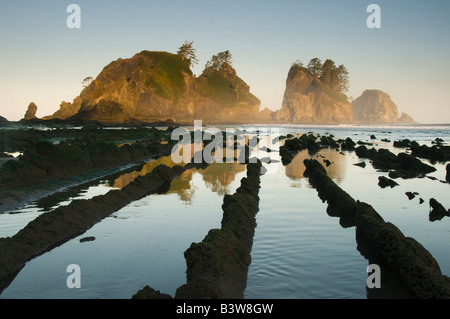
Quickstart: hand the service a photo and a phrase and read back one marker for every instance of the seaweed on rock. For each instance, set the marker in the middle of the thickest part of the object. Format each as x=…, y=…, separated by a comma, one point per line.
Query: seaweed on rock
x=416, y=267
x=217, y=267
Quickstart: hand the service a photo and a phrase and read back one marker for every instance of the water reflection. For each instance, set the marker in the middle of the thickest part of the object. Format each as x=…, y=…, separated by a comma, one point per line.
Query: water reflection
x=336, y=170
x=217, y=177
x=147, y=168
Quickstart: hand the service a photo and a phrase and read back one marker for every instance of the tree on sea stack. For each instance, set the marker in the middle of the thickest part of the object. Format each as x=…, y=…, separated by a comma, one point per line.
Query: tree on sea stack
x=297, y=64
x=315, y=67
x=342, y=75
x=87, y=81
x=335, y=77
x=187, y=51
x=216, y=62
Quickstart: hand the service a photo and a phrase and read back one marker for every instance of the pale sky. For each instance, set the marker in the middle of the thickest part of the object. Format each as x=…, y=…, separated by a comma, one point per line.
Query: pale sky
x=44, y=61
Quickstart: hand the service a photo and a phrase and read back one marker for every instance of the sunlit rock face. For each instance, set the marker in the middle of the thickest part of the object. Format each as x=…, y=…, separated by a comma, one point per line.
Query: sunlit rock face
x=159, y=86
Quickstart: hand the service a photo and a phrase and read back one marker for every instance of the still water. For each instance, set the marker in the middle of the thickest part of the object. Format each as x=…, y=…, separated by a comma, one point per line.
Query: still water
x=298, y=251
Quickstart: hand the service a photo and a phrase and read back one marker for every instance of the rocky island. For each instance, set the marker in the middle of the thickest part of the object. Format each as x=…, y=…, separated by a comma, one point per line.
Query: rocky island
x=307, y=99
x=160, y=86
x=376, y=107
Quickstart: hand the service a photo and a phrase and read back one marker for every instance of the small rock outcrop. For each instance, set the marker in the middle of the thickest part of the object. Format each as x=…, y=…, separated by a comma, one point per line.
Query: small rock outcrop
x=384, y=182
x=437, y=211
x=88, y=238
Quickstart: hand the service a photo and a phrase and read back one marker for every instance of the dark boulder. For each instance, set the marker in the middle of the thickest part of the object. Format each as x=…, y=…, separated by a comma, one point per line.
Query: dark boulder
x=403, y=143
x=437, y=211
x=411, y=195
x=89, y=238
x=386, y=182
x=348, y=145
x=362, y=164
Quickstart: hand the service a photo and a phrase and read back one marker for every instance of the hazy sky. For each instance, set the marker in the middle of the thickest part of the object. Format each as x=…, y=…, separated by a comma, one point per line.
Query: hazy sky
x=44, y=61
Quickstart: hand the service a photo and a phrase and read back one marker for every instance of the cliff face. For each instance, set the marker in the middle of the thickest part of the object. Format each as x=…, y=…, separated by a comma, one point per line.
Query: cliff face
x=149, y=86
x=307, y=100
x=158, y=86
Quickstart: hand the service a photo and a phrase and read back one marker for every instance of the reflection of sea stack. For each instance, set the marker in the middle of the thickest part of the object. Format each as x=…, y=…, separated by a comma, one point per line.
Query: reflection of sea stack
x=30, y=114
x=295, y=169
x=218, y=177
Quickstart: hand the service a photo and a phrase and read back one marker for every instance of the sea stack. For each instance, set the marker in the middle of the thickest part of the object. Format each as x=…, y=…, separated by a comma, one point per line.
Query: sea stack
x=30, y=114
x=159, y=86
x=377, y=107
x=308, y=100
